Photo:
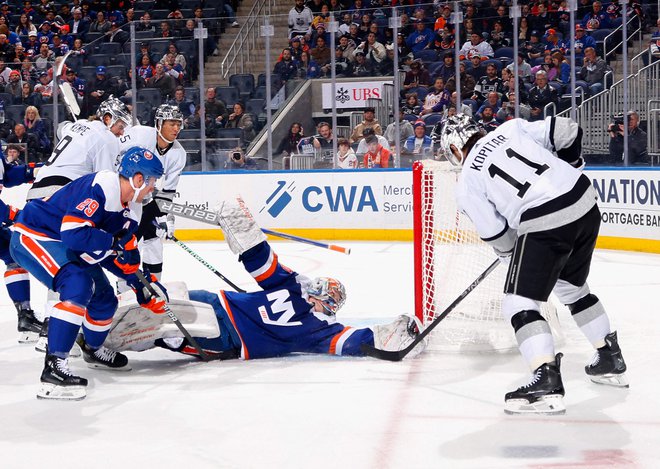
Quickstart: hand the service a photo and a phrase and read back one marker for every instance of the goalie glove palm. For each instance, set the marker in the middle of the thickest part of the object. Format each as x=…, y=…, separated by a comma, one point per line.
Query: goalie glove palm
x=398, y=335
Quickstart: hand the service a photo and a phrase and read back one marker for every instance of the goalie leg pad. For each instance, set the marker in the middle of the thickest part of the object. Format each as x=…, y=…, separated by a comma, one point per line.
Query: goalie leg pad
x=238, y=226
x=136, y=329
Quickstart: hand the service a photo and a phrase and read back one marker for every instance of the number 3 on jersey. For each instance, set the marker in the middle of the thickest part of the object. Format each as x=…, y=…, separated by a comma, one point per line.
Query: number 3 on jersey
x=524, y=186
x=279, y=304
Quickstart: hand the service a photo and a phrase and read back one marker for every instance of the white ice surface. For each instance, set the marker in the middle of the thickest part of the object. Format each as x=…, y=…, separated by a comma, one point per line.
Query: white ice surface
x=438, y=410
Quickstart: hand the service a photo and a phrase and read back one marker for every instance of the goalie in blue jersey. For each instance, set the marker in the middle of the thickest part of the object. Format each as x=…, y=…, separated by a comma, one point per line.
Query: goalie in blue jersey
x=290, y=314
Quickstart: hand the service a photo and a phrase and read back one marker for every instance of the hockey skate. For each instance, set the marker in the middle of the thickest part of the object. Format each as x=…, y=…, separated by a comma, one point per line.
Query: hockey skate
x=103, y=358
x=607, y=366
x=57, y=381
x=42, y=342
x=542, y=395
x=28, y=326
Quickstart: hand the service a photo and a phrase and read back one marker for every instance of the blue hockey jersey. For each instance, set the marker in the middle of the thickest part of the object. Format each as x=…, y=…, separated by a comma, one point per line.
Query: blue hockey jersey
x=85, y=215
x=278, y=320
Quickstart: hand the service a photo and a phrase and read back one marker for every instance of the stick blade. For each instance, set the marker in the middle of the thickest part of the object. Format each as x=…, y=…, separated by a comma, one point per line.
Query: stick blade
x=371, y=351
x=70, y=99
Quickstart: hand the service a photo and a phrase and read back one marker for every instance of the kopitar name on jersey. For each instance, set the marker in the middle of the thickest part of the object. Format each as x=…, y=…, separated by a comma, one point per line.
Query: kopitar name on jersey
x=487, y=148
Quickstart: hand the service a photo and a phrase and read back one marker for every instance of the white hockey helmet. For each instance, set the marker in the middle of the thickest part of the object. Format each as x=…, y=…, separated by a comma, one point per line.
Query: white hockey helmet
x=167, y=112
x=116, y=109
x=330, y=292
x=456, y=131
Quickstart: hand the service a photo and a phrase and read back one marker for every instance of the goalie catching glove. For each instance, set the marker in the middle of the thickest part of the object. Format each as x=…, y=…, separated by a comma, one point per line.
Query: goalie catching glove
x=156, y=304
x=399, y=334
x=164, y=226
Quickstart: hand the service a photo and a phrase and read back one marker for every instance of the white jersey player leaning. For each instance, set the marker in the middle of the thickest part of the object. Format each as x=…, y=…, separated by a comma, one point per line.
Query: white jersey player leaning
x=521, y=188
x=161, y=141
x=85, y=146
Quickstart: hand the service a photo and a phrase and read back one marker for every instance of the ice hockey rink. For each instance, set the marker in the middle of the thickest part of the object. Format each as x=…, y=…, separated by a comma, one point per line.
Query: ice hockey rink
x=439, y=410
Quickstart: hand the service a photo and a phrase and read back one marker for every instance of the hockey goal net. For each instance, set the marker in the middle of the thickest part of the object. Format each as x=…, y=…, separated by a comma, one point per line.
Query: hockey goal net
x=449, y=255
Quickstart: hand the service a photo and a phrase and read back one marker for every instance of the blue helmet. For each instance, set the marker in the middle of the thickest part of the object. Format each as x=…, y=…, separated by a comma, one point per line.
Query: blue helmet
x=140, y=160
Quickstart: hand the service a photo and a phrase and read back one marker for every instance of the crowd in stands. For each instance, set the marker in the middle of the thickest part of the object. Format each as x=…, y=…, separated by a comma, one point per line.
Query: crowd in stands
x=36, y=35
x=425, y=43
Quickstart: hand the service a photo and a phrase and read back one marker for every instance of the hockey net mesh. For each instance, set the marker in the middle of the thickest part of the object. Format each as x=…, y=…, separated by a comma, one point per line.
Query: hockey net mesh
x=449, y=256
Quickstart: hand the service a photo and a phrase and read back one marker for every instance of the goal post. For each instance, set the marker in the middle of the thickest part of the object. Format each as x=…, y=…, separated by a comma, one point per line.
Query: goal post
x=448, y=255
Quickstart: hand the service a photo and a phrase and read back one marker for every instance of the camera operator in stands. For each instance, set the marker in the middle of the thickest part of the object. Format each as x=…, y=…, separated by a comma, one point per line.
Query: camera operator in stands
x=239, y=160
x=637, y=143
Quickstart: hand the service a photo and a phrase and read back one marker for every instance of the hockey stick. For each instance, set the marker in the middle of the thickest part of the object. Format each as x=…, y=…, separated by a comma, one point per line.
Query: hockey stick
x=186, y=248
x=332, y=247
x=65, y=89
x=202, y=354
x=395, y=356
x=211, y=218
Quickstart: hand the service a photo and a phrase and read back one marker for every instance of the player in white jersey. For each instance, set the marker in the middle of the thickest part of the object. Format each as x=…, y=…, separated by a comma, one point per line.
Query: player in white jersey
x=161, y=141
x=521, y=189
x=85, y=147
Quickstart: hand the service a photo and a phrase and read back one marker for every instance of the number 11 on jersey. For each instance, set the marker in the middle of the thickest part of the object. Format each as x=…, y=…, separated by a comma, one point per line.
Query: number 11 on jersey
x=524, y=186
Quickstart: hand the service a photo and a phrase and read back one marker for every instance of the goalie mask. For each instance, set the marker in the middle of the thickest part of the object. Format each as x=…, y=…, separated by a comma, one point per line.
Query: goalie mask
x=167, y=112
x=329, y=292
x=456, y=131
x=117, y=111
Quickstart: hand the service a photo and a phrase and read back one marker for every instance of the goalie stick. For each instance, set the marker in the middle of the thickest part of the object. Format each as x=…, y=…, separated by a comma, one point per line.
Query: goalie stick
x=202, y=354
x=211, y=218
x=398, y=355
x=186, y=248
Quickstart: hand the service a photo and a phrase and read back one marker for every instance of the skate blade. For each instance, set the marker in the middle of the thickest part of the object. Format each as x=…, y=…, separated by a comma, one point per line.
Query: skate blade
x=619, y=381
x=550, y=405
x=62, y=393
x=27, y=337
x=42, y=346
x=98, y=366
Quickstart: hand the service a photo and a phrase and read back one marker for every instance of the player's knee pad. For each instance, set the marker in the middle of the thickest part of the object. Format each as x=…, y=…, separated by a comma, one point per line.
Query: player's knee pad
x=103, y=303
x=512, y=304
x=74, y=285
x=568, y=293
x=528, y=316
x=587, y=302
x=152, y=251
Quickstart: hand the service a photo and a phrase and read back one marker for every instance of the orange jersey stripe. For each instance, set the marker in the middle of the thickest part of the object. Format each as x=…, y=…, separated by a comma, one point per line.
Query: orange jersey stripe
x=268, y=272
x=97, y=322
x=335, y=339
x=41, y=255
x=18, y=271
x=72, y=308
x=22, y=227
x=225, y=304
